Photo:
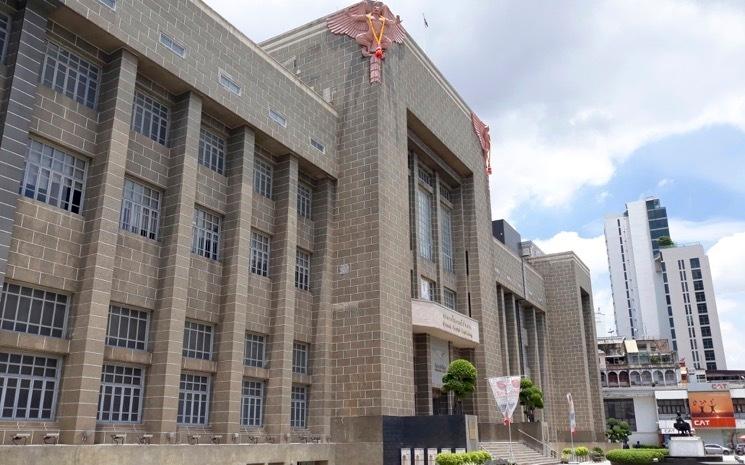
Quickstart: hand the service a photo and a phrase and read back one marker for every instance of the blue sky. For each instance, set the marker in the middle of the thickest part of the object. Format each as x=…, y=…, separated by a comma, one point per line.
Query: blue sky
x=591, y=105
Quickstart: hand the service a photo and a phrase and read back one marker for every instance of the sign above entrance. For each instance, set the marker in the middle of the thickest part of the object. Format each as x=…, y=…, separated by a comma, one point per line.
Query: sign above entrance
x=434, y=319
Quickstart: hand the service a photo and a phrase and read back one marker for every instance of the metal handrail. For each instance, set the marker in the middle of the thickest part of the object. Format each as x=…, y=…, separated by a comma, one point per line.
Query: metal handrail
x=551, y=452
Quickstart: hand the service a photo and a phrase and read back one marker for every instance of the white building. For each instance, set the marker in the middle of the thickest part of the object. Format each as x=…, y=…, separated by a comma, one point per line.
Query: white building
x=650, y=302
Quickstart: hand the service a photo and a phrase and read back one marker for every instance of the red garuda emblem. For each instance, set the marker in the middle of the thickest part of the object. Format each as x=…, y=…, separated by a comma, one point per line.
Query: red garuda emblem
x=482, y=132
x=373, y=26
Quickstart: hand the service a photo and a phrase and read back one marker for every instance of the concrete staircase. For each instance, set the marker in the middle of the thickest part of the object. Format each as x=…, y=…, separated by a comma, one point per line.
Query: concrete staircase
x=522, y=454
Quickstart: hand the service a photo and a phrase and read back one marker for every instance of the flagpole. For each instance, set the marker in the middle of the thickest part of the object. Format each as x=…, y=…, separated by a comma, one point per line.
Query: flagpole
x=509, y=435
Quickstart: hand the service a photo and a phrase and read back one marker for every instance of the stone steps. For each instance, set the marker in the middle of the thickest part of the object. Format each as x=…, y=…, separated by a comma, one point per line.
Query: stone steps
x=521, y=454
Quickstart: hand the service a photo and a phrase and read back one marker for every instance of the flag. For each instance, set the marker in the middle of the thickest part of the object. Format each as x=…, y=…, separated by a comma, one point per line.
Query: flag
x=426, y=24
x=506, y=391
x=572, y=417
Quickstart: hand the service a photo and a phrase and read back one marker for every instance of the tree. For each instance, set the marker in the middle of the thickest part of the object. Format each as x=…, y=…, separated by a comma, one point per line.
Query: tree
x=461, y=380
x=531, y=398
x=618, y=430
x=665, y=241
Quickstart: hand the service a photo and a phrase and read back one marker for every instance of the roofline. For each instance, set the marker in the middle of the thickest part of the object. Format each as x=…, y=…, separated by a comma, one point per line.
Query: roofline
x=569, y=254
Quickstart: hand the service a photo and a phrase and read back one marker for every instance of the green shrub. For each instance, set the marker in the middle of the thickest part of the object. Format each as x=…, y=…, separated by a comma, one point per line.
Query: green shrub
x=448, y=458
x=565, y=457
x=598, y=450
x=477, y=457
x=581, y=451
x=566, y=451
x=635, y=456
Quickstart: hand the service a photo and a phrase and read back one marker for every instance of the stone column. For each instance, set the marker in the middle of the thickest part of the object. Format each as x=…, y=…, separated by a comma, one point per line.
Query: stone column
x=227, y=390
x=513, y=340
x=532, y=355
x=78, y=400
x=161, y=400
x=282, y=272
x=422, y=375
x=29, y=33
x=501, y=309
x=321, y=282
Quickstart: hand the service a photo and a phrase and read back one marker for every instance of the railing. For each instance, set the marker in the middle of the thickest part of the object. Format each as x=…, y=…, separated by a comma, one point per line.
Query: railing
x=546, y=449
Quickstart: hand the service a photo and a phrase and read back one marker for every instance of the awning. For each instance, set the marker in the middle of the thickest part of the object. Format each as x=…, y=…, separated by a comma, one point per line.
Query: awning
x=671, y=394
x=631, y=347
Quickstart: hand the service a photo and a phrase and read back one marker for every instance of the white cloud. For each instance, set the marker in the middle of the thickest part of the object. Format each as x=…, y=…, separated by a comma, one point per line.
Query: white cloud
x=707, y=232
x=727, y=258
x=665, y=182
x=734, y=345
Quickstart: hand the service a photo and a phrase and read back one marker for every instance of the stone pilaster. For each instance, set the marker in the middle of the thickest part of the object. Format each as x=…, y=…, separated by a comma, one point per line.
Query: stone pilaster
x=282, y=272
x=227, y=390
x=503, y=330
x=513, y=340
x=161, y=400
x=80, y=389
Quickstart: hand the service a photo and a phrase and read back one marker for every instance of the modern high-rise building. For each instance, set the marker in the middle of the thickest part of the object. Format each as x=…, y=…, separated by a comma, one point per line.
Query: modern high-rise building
x=276, y=246
x=662, y=290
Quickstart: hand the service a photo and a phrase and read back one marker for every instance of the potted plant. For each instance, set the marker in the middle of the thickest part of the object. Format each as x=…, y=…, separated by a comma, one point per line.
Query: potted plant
x=460, y=379
x=531, y=398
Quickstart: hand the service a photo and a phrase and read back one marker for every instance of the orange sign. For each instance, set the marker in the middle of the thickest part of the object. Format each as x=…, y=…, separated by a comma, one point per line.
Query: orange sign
x=711, y=409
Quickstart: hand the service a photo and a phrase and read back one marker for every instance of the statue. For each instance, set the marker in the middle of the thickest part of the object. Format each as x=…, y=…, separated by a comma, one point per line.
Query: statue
x=682, y=426
x=482, y=132
x=374, y=27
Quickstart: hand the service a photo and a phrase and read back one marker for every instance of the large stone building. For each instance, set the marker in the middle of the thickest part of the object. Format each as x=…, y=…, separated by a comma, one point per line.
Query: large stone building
x=209, y=240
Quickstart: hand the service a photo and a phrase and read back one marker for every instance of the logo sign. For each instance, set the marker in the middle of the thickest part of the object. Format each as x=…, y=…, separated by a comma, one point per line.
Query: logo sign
x=711, y=409
x=572, y=415
x=506, y=391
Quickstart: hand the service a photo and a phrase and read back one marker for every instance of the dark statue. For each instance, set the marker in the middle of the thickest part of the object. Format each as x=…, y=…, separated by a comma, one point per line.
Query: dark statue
x=682, y=426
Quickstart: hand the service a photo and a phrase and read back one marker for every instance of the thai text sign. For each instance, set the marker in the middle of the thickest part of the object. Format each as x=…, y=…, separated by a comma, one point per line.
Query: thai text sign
x=712, y=409
x=506, y=391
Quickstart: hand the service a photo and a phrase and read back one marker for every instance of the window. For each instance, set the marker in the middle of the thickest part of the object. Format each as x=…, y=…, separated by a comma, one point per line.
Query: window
x=259, y=254
x=252, y=403
x=127, y=328
x=33, y=311
x=150, y=118
x=700, y=297
x=4, y=29
x=255, y=350
x=70, y=74
x=193, y=399
x=706, y=331
x=695, y=263
x=109, y=3
x=140, y=209
x=711, y=365
x=424, y=223
x=696, y=274
x=54, y=177
x=621, y=409
x=263, y=177
x=708, y=343
x=171, y=44
x=702, y=308
x=299, y=407
x=278, y=118
x=447, y=240
x=672, y=406
x=446, y=193
x=28, y=386
x=317, y=145
x=120, y=396
x=698, y=285
x=300, y=358
x=304, y=197
x=197, y=340
x=229, y=83
x=709, y=355
x=206, y=234
x=302, y=270
x=426, y=289
x=425, y=176
x=449, y=298
x=212, y=151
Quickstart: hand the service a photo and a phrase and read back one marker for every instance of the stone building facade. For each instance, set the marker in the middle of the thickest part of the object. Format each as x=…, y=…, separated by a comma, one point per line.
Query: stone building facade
x=206, y=239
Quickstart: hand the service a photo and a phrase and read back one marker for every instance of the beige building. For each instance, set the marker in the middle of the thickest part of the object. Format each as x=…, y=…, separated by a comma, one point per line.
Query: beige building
x=206, y=240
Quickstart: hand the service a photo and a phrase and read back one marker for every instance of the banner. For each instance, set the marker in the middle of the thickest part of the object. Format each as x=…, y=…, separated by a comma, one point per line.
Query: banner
x=572, y=415
x=711, y=409
x=506, y=391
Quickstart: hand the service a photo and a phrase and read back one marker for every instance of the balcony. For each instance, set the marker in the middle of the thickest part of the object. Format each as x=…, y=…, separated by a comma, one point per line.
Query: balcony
x=432, y=318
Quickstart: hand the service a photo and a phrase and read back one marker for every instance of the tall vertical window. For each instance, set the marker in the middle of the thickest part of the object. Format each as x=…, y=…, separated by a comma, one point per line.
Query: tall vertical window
x=252, y=403
x=446, y=222
x=206, y=234
x=33, y=311
x=259, y=254
x=300, y=358
x=448, y=298
x=304, y=197
x=299, y=407
x=424, y=223
x=28, y=386
x=4, y=29
x=127, y=328
x=193, y=399
x=427, y=289
x=302, y=270
x=212, y=151
x=120, y=396
x=70, y=74
x=197, y=340
x=150, y=118
x=54, y=177
x=140, y=209
x=263, y=177
x=255, y=350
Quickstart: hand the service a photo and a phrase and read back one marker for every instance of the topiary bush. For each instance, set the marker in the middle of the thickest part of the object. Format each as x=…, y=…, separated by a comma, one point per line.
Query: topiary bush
x=581, y=451
x=635, y=456
x=477, y=457
x=597, y=454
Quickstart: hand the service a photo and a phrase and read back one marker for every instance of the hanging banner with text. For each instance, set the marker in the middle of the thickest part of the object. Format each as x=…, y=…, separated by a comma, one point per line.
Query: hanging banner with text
x=506, y=391
x=712, y=409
